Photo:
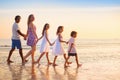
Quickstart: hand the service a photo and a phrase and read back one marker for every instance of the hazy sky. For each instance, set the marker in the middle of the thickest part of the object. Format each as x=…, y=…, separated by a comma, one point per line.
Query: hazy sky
x=90, y=18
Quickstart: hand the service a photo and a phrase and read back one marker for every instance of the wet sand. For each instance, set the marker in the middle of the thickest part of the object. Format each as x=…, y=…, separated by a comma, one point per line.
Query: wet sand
x=97, y=70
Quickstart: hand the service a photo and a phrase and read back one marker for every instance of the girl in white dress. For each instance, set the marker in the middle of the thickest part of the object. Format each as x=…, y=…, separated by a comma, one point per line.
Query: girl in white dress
x=58, y=48
x=44, y=48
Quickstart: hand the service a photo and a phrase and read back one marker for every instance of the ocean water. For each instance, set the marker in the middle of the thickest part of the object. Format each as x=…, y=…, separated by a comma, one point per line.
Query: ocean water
x=87, y=49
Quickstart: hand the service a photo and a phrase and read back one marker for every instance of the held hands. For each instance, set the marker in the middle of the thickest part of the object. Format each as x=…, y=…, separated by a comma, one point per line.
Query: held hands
x=25, y=37
x=66, y=42
x=52, y=43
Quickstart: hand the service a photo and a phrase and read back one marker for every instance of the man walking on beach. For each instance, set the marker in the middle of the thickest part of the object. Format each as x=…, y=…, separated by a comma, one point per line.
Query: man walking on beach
x=16, y=39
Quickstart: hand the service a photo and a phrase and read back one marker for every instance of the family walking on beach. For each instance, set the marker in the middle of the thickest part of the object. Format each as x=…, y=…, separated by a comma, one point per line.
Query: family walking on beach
x=32, y=40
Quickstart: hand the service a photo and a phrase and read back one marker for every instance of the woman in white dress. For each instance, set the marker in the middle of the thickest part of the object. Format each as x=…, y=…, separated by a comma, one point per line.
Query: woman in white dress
x=58, y=48
x=44, y=48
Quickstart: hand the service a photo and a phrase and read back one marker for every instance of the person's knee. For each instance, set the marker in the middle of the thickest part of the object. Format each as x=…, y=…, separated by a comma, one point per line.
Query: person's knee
x=34, y=48
x=47, y=53
x=20, y=50
x=12, y=49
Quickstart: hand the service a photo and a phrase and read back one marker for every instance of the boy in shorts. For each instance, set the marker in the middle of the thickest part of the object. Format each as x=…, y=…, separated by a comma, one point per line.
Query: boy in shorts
x=72, y=48
x=16, y=39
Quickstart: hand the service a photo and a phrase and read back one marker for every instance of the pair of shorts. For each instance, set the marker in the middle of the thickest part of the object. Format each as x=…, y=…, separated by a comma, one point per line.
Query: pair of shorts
x=16, y=43
x=72, y=54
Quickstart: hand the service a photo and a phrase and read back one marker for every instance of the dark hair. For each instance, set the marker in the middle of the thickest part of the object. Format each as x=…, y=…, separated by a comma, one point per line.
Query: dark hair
x=72, y=33
x=17, y=17
x=28, y=22
x=44, y=28
x=58, y=29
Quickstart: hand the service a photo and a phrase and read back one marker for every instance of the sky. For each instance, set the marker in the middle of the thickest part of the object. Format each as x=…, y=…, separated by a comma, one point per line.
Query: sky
x=92, y=19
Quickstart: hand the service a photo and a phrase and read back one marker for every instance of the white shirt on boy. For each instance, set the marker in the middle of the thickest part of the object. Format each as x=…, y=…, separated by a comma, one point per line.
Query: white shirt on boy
x=70, y=42
x=15, y=35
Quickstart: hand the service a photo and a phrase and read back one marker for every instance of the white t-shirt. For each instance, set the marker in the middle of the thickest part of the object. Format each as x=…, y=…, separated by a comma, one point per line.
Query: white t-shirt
x=15, y=34
x=70, y=42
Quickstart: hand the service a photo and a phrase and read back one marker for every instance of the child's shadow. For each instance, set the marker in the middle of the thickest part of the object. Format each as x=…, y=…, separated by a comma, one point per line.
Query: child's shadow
x=71, y=73
x=66, y=74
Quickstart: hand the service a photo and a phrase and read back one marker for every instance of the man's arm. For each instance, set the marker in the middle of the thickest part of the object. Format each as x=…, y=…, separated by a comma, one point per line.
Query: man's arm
x=19, y=32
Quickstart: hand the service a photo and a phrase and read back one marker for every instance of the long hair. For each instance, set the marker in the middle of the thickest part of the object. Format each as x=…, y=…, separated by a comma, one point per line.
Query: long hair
x=44, y=28
x=58, y=29
x=28, y=22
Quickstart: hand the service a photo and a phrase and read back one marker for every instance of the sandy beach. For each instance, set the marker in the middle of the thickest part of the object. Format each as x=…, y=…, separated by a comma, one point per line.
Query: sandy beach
x=102, y=70
x=101, y=62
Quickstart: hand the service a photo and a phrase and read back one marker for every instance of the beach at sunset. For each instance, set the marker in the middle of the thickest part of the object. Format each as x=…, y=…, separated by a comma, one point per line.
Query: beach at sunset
x=87, y=29
x=100, y=61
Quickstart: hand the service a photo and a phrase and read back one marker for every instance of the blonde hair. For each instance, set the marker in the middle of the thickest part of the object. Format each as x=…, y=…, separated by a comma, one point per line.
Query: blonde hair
x=28, y=22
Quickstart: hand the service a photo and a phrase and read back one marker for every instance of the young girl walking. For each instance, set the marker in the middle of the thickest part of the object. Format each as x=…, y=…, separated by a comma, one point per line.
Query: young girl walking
x=58, y=48
x=44, y=48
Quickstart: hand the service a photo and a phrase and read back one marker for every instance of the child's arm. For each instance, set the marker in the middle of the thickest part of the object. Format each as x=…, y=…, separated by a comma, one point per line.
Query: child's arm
x=53, y=43
x=61, y=40
x=46, y=35
x=40, y=37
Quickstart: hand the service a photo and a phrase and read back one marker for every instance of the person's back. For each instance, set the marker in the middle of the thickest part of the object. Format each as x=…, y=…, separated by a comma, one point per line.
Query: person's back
x=15, y=34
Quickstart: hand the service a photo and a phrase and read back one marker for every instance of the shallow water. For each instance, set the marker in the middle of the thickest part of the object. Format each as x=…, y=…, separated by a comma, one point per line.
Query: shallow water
x=100, y=61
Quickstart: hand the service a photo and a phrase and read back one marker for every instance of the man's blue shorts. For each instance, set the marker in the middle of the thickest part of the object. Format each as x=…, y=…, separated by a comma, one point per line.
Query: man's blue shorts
x=16, y=43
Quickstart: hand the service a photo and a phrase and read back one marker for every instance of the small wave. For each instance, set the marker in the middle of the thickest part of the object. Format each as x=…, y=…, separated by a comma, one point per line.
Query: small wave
x=5, y=46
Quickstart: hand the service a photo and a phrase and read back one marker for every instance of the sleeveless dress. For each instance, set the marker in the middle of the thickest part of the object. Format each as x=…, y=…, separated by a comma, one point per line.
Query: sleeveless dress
x=58, y=48
x=44, y=44
x=31, y=37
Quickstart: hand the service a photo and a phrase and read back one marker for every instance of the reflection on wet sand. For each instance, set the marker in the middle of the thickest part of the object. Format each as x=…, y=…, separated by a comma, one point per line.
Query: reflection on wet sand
x=68, y=74
x=94, y=71
x=32, y=72
x=19, y=72
x=16, y=72
x=44, y=73
x=71, y=74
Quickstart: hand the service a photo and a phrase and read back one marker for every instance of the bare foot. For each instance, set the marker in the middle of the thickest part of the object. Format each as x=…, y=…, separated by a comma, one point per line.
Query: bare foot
x=9, y=61
x=55, y=65
x=39, y=65
x=36, y=62
x=49, y=63
x=79, y=65
x=24, y=61
x=69, y=62
x=65, y=66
